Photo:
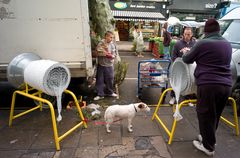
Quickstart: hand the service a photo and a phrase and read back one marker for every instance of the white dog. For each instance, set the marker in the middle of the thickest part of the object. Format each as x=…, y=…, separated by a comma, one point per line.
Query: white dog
x=123, y=111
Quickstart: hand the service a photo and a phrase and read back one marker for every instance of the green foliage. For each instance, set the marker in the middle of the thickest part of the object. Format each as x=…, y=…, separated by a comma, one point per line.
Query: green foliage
x=95, y=39
x=160, y=48
x=113, y=21
x=173, y=42
x=101, y=17
x=155, y=39
x=151, y=40
x=87, y=113
x=120, y=71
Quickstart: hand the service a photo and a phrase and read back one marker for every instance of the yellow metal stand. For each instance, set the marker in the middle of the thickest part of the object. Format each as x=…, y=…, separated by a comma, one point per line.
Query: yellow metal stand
x=37, y=96
x=185, y=102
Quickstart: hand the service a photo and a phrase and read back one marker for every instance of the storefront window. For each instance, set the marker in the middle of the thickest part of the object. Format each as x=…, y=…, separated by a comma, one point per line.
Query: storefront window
x=149, y=29
x=123, y=30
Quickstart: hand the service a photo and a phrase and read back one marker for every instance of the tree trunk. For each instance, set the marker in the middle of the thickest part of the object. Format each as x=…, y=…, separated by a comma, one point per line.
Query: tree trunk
x=101, y=16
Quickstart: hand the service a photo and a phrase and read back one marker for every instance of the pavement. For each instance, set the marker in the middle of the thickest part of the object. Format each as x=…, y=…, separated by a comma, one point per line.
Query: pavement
x=31, y=136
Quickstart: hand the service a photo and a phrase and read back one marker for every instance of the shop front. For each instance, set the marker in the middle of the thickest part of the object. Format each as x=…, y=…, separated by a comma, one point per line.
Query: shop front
x=188, y=10
x=144, y=14
x=196, y=11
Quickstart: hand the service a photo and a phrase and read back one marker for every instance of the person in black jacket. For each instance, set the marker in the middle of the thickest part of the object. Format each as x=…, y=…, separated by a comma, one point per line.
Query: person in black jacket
x=213, y=77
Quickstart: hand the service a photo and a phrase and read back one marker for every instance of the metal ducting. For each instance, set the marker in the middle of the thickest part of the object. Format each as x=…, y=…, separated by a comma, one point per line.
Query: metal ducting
x=15, y=70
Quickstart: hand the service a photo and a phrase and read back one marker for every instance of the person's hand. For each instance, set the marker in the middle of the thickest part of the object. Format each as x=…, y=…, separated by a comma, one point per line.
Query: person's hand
x=109, y=55
x=185, y=50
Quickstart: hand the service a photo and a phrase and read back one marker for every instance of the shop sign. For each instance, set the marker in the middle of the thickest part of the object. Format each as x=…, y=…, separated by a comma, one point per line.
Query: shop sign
x=211, y=6
x=137, y=6
x=192, y=6
x=120, y=5
x=142, y=6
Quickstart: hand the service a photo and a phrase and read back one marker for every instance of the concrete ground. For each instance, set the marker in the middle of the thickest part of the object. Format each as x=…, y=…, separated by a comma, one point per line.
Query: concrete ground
x=31, y=136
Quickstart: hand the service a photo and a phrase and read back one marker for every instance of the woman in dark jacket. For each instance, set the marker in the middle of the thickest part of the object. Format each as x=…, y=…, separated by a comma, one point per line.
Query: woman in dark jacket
x=213, y=77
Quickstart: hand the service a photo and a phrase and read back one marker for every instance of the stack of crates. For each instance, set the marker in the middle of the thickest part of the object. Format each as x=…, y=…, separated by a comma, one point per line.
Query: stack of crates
x=157, y=49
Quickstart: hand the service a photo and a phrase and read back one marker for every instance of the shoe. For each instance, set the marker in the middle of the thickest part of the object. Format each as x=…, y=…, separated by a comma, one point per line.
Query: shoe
x=172, y=101
x=199, y=137
x=113, y=95
x=190, y=104
x=200, y=147
x=97, y=98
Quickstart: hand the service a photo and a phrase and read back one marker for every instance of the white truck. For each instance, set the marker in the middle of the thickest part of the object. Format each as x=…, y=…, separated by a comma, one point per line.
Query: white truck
x=53, y=29
x=230, y=24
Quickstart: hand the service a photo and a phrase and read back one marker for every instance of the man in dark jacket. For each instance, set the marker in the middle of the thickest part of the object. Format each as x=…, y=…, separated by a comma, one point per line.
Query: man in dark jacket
x=186, y=42
x=213, y=77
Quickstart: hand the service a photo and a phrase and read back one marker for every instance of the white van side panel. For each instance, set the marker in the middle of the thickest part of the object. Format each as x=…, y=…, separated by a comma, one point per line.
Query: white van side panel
x=53, y=29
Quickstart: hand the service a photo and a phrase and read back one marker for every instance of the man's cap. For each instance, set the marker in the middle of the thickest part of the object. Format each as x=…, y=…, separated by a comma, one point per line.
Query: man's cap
x=211, y=25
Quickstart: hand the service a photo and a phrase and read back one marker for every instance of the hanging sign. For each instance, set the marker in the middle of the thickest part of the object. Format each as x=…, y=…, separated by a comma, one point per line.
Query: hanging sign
x=120, y=5
x=137, y=6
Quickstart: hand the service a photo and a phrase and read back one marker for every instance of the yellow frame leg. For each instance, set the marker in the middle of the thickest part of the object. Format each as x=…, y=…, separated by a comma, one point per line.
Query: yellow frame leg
x=78, y=107
x=235, y=124
x=41, y=100
x=160, y=102
x=185, y=102
x=25, y=112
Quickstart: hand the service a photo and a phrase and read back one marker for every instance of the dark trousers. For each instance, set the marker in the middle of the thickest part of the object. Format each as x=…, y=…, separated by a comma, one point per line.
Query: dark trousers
x=104, y=79
x=211, y=100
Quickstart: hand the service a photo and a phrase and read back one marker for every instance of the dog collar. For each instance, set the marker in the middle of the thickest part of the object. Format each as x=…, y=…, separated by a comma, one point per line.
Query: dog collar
x=134, y=107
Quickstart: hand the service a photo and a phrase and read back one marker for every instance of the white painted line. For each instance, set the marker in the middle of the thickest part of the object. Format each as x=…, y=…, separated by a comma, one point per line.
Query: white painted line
x=125, y=56
x=131, y=78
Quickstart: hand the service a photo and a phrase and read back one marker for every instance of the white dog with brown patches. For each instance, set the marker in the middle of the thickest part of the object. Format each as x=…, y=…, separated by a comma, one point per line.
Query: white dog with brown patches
x=122, y=112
